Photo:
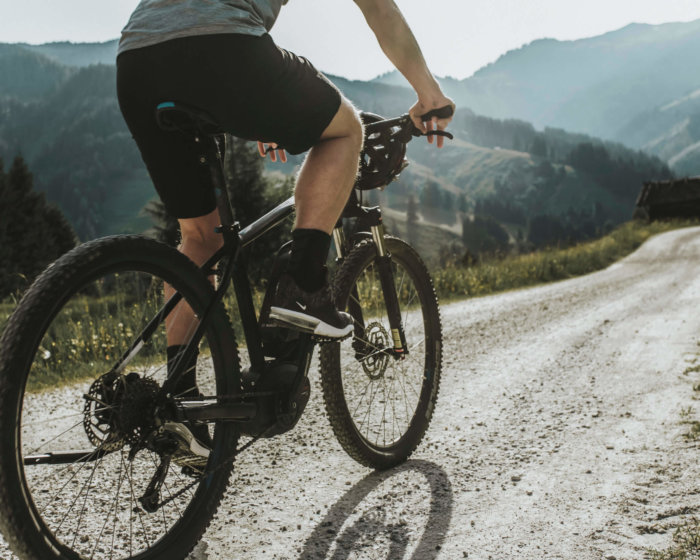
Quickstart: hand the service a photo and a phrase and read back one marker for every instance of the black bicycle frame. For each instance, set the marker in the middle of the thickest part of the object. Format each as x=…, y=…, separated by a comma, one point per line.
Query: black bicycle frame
x=233, y=270
x=242, y=407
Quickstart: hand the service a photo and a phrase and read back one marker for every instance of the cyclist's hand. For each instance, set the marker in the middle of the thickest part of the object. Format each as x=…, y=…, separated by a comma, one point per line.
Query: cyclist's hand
x=425, y=105
x=272, y=149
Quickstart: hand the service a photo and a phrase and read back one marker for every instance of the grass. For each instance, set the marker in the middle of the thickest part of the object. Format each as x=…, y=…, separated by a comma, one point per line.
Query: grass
x=99, y=325
x=686, y=538
x=686, y=544
x=458, y=282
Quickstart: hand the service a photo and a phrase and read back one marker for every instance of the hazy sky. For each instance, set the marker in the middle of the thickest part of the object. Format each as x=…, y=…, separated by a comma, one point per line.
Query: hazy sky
x=457, y=36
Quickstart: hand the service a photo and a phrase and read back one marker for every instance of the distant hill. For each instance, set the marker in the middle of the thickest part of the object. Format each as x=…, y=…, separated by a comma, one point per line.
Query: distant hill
x=65, y=120
x=671, y=132
x=603, y=86
x=27, y=75
x=77, y=54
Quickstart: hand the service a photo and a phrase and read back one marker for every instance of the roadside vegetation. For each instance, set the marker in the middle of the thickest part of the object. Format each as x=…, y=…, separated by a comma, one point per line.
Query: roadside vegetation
x=459, y=280
x=686, y=538
x=453, y=281
x=686, y=544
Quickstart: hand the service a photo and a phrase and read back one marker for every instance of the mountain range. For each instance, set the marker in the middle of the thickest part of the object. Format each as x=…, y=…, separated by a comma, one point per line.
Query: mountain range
x=639, y=85
x=632, y=89
x=609, y=86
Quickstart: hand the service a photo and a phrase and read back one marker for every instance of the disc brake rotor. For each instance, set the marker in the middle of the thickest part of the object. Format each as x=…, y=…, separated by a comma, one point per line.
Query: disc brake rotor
x=375, y=362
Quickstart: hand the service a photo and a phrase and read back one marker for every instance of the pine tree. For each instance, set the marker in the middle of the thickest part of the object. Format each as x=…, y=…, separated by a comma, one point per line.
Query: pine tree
x=32, y=232
x=165, y=227
x=462, y=203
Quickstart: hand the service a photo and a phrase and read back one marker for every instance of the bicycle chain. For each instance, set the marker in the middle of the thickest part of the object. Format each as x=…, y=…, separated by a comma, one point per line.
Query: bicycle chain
x=197, y=480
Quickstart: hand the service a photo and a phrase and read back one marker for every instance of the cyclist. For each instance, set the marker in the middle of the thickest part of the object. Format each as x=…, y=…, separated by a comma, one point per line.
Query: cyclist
x=217, y=55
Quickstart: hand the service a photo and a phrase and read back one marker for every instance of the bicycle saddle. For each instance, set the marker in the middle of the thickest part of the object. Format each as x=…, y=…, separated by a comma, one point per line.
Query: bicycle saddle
x=171, y=116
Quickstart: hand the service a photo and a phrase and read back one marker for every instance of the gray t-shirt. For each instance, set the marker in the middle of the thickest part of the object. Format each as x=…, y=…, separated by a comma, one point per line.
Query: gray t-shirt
x=155, y=21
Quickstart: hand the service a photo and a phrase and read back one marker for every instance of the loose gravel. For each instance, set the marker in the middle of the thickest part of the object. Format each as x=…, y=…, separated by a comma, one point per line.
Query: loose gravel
x=557, y=435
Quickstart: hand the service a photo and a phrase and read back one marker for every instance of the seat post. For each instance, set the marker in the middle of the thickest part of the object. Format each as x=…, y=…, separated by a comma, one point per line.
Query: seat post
x=218, y=179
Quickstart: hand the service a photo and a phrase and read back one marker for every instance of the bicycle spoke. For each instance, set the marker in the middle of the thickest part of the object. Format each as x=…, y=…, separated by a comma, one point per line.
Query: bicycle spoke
x=64, y=432
x=82, y=466
x=114, y=505
x=82, y=510
x=136, y=508
x=383, y=391
x=53, y=419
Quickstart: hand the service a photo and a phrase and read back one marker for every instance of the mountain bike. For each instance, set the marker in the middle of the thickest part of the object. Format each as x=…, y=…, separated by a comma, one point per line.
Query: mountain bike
x=88, y=461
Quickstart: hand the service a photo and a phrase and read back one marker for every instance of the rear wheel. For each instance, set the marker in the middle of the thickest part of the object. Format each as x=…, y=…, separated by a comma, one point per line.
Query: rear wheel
x=379, y=402
x=75, y=457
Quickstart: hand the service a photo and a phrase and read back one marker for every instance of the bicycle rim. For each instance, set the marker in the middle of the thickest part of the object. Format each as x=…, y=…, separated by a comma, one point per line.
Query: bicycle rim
x=88, y=506
x=383, y=402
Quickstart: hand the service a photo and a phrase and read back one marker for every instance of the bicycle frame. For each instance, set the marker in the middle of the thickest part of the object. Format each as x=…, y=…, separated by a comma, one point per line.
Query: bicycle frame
x=242, y=406
x=232, y=269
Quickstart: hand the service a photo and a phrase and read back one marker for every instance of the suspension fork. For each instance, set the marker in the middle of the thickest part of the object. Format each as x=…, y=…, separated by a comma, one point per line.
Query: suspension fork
x=391, y=298
x=386, y=278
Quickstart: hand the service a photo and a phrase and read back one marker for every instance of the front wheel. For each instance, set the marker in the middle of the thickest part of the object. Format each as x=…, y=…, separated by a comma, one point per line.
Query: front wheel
x=380, y=402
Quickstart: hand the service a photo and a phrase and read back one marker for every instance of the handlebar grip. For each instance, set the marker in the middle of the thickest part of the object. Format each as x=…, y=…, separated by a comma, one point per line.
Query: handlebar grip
x=441, y=113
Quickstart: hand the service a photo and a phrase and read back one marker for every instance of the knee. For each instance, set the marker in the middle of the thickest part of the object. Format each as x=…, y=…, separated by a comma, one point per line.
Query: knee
x=199, y=235
x=356, y=130
x=346, y=124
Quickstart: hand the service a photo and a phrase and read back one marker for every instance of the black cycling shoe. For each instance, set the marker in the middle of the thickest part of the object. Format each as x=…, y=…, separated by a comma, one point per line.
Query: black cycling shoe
x=311, y=312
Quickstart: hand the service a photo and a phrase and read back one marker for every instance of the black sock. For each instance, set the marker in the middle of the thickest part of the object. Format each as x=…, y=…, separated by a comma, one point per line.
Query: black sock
x=187, y=385
x=308, y=259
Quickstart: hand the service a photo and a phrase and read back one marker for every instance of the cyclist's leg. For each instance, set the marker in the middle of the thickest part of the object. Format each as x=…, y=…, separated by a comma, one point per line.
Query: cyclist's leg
x=323, y=186
x=199, y=241
x=328, y=173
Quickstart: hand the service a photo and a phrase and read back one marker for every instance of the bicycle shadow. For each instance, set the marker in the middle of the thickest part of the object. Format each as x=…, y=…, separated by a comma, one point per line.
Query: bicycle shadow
x=368, y=527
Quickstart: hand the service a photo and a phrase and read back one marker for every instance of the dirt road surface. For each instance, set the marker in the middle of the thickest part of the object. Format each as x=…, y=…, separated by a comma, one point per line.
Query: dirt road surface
x=557, y=435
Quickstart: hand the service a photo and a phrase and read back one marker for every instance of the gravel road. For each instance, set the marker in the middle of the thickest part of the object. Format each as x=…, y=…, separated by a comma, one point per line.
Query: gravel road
x=557, y=435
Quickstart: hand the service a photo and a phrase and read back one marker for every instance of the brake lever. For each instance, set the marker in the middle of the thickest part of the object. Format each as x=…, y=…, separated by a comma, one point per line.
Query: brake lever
x=438, y=133
x=417, y=132
x=441, y=113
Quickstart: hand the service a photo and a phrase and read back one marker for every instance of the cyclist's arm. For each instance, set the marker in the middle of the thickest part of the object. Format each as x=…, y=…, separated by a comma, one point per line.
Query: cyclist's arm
x=399, y=44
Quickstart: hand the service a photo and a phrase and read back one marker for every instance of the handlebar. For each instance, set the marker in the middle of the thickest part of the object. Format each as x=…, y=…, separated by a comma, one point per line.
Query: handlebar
x=408, y=129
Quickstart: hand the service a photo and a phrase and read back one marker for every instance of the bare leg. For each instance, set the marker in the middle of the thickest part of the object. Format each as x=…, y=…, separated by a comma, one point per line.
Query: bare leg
x=329, y=171
x=322, y=189
x=199, y=242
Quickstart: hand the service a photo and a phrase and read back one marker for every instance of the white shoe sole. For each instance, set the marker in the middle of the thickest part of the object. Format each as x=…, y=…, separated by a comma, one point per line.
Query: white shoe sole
x=184, y=434
x=309, y=324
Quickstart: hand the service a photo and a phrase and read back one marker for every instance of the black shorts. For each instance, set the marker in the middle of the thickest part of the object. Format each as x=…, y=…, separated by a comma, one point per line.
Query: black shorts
x=254, y=90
